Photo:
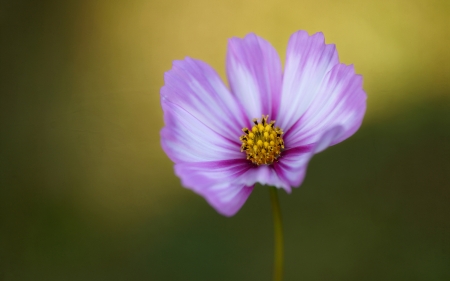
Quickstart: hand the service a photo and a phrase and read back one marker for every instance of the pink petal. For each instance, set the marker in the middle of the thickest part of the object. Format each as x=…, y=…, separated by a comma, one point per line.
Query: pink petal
x=308, y=60
x=254, y=74
x=186, y=139
x=203, y=124
x=291, y=168
x=215, y=181
x=335, y=113
x=265, y=175
x=195, y=86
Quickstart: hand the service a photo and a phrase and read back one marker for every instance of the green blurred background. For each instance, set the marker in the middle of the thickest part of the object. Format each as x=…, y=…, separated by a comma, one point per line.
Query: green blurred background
x=86, y=193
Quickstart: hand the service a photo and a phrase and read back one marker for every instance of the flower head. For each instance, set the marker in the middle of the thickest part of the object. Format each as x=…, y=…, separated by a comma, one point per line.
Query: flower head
x=267, y=126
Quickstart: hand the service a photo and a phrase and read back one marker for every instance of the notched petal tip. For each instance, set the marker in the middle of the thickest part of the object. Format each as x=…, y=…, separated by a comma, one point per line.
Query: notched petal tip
x=319, y=36
x=304, y=35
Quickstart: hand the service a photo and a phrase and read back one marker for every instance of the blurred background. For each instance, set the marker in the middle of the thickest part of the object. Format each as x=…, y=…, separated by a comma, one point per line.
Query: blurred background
x=86, y=193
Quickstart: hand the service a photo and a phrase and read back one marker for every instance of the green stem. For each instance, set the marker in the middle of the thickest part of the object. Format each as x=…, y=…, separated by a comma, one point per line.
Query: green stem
x=278, y=235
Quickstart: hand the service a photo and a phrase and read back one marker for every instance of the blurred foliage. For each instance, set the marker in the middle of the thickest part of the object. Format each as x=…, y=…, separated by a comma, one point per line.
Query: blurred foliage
x=86, y=192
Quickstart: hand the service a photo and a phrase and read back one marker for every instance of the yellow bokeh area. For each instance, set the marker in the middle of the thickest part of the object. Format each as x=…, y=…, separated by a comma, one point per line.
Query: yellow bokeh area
x=87, y=193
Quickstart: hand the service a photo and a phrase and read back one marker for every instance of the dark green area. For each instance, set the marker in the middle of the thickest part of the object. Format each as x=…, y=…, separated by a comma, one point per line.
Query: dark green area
x=375, y=207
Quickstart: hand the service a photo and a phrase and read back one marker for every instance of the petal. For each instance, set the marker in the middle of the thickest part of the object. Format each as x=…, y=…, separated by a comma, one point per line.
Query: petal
x=195, y=86
x=288, y=171
x=203, y=123
x=308, y=59
x=214, y=181
x=265, y=175
x=335, y=113
x=291, y=168
x=254, y=74
x=186, y=139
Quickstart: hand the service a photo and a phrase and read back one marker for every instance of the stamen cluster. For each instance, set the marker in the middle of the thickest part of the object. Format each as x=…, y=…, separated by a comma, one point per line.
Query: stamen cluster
x=263, y=143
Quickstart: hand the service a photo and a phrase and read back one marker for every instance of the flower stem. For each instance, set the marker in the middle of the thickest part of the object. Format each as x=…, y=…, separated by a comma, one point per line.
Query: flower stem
x=278, y=235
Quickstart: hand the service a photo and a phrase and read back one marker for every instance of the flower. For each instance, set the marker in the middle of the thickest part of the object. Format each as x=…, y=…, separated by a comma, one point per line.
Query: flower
x=220, y=150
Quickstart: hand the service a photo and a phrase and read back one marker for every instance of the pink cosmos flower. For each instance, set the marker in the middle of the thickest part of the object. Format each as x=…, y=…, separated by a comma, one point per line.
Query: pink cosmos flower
x=213, y=135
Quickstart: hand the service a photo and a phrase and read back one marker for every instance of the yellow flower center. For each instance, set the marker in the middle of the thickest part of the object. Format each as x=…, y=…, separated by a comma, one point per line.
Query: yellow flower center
x=263, y=143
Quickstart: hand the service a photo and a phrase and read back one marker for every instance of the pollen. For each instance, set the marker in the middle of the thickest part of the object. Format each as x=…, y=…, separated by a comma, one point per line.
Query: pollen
x=262, y=143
